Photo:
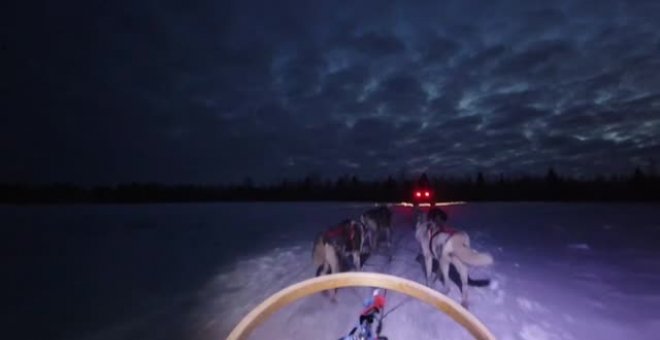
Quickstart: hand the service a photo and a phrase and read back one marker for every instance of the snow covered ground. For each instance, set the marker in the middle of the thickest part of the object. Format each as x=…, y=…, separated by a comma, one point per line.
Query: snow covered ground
x=192, y=271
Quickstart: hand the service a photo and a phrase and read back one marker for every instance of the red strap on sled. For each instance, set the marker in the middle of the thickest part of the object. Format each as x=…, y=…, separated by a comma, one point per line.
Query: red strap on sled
x=376, y=305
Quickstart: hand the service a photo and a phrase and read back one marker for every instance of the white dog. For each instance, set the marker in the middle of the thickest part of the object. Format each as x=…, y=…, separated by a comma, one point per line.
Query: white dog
x=448, y=246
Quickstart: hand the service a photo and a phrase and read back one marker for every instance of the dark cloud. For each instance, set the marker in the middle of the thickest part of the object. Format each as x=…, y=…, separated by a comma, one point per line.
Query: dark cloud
x=377, y=44
x=401, y=94
x=215, y=91
x=512, y=117
x=536, y=58
x=441, y=50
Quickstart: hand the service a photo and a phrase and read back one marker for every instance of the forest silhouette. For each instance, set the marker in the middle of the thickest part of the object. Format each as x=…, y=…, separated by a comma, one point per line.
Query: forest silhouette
x=638, y=186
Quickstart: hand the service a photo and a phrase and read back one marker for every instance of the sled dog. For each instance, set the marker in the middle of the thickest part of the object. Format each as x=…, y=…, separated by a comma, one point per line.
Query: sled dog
x=378, y=222
x=332, y=246
x=448, y=246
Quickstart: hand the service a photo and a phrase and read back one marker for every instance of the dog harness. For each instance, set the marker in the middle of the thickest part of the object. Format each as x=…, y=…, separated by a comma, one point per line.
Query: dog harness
x=334, y=232
x=342, y=235
x=340, y=231
x=444, y=229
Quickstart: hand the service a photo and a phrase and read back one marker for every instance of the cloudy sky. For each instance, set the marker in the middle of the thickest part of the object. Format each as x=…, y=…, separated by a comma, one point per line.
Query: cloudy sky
x=213, y=91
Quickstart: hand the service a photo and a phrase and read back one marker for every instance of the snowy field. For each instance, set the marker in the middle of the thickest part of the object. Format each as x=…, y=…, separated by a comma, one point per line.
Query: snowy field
x=192, y=271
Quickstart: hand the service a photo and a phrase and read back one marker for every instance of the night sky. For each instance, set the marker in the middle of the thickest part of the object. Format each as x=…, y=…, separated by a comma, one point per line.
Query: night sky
x=214, y=91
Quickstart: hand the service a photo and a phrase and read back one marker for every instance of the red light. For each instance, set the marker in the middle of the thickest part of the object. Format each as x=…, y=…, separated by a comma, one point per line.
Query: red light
x=426, y=194
x=418, y=194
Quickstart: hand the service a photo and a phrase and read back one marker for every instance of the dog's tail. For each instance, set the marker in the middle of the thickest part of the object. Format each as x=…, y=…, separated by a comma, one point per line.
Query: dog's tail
x=470, y=256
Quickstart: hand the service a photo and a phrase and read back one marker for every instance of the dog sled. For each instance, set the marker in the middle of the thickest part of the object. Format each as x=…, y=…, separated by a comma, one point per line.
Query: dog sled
x=311, y=286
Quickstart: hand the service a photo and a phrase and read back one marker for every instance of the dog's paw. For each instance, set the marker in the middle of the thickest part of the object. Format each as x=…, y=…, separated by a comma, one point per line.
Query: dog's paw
x=444, y=290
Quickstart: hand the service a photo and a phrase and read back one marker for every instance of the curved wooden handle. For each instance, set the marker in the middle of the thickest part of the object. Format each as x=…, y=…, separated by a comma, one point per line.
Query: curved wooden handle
x=321, y=283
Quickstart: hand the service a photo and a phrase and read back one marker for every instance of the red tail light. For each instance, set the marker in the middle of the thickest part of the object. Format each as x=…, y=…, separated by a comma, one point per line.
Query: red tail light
x=418, y=194
x=426, y=194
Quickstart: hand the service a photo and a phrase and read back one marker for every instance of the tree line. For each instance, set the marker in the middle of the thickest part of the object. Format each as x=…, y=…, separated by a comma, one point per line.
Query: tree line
x=638, y=186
